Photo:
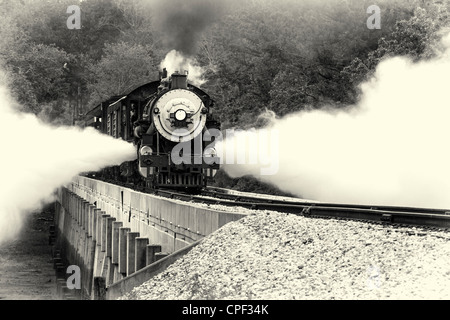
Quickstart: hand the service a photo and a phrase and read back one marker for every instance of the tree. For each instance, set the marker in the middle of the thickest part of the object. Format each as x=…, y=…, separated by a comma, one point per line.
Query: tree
x=42, y=69
x=136, y=16
x=122, y=66
x=34, y=71
x=47, y=62
x=416, y=37
x=288, y=56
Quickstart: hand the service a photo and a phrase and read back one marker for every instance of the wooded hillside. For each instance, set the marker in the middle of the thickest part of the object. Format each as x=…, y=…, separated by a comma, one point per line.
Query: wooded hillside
x=284, y=55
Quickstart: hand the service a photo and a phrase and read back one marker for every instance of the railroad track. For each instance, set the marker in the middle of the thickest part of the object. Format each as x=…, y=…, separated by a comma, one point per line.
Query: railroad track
x=434, y=218
x=408, y=216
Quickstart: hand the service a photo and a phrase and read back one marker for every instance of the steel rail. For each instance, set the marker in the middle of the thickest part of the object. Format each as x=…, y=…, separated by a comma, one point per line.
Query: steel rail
x=244, y=198
x=437, y=218
x=412, y=216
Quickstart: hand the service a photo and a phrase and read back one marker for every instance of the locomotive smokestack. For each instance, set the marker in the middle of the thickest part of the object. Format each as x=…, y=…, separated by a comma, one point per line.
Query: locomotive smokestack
x=179, y=81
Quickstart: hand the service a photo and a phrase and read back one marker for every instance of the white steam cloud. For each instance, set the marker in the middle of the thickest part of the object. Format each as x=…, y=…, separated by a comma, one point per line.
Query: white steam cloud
x=391, y=148
x=175, y=61
x=38, y=158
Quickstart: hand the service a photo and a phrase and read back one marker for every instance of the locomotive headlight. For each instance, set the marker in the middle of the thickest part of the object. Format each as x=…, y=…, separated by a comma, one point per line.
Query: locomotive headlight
x=180, y=115
x=210, y=152
x=146, y=151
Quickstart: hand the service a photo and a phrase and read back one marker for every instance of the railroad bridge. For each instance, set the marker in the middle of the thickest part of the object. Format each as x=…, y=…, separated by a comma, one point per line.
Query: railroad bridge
x=119, y=238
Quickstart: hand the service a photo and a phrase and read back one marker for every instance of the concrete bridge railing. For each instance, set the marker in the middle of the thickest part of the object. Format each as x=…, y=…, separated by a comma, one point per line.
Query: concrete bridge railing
x=119, y=237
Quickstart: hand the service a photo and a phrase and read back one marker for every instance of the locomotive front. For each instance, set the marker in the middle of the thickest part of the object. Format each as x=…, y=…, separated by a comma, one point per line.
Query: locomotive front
x=172, y=149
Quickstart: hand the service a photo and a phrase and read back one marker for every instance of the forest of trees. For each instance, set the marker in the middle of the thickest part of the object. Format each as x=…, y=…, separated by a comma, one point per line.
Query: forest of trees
x=278, y=55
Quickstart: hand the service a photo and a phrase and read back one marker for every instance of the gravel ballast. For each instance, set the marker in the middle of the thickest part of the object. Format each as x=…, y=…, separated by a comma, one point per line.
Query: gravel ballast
x=278, y=256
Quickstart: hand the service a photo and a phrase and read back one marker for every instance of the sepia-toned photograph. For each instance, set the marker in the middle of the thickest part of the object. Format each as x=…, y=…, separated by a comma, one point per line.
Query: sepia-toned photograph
x=225, y=158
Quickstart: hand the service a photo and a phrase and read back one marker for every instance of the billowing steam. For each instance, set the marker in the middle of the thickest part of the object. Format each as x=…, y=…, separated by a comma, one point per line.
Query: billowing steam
x=391, y=148
x=37, y=159
x=175, y=61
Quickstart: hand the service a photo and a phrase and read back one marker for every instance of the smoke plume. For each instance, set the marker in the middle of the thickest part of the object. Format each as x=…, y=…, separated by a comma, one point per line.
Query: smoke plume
x=391, y=148
x=38, y=158
x=182, y=22
x=175, y=61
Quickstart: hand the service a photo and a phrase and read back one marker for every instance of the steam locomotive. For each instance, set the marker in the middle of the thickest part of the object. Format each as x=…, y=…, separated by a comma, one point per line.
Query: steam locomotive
x=170, y=123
